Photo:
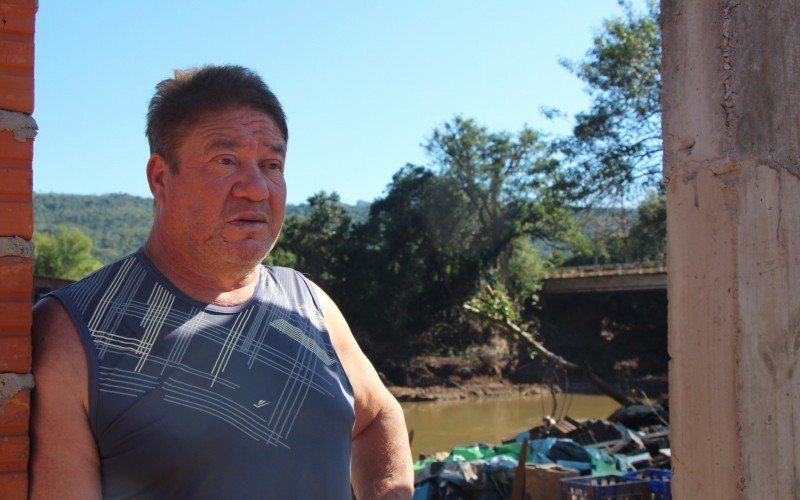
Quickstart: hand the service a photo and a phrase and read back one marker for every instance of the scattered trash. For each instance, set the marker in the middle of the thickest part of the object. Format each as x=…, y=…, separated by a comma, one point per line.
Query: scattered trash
x=567, y=458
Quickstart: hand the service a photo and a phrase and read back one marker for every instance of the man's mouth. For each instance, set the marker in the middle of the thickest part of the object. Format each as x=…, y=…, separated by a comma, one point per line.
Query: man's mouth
x=250, y=219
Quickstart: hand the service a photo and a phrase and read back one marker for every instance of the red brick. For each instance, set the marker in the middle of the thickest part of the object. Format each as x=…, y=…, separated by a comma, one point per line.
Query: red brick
x=12, y=331
x=14, y=485
x=16, y=414
x=16, y=91
x=19, y=16
x=16, y=218
x=17, y=52
x=13, y=452
x=17, y=183
x=17, y=55
x=15, y=353
x=16, y=313
x=20, y=153
x=16, y=277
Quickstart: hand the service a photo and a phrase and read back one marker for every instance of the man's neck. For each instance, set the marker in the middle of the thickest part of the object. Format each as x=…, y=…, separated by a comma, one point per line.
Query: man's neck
x=223, y=287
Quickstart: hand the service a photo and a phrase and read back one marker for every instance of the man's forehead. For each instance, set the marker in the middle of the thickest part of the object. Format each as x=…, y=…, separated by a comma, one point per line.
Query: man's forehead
x=225, y=141
x=233, y=128
x=235, y=120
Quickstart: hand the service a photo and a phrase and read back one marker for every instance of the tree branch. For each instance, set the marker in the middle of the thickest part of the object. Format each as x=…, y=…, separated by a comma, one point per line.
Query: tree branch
x=527, y=338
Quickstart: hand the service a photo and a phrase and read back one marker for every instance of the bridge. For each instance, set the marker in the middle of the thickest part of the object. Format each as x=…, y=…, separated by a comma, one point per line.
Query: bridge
x=605, y=278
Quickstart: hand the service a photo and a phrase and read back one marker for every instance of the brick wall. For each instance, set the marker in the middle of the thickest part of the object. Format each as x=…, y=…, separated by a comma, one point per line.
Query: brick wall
x=17, y=130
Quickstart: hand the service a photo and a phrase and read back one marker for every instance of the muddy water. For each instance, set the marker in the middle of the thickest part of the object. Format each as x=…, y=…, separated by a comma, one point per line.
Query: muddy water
x=442, y=425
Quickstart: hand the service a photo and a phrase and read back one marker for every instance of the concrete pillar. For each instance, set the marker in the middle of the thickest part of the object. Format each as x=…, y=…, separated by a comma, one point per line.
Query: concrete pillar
x=731, y=124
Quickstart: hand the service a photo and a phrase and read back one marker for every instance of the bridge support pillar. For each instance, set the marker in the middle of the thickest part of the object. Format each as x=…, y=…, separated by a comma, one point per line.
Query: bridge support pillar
x=731, y=125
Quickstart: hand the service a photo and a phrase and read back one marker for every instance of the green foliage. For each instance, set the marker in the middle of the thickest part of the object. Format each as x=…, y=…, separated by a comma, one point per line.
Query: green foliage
x=614, y=236
x=648, y=236
x=508, y=179
x=117, y=223
x=407, y=264
x=526, y=269
x=441, y=230
x=616, y=144
x=494, y=304
x=280, y=255
x=314, y=242
x=601, y=239
x=67, y=254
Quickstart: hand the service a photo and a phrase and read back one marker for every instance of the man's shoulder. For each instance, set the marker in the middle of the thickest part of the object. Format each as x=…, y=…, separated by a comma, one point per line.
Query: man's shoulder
x=76, y=298
x=293, y=282
x=282, y=273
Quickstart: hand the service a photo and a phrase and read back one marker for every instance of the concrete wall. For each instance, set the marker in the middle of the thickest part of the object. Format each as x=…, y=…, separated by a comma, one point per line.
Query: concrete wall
x=17, y=130
x=731, y=74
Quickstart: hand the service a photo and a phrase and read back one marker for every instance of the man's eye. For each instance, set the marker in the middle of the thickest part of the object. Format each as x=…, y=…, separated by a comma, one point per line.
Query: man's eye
x=226, y=160
x=273, y=166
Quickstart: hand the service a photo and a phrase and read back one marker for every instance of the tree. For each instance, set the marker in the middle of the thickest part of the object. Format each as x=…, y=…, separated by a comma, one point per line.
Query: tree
x=402, y=273
x=616, y=146
x=648, y=236
x=443, y=228
x=526, y=270
x=600, y=237
x=313, y=243
x=67, y=254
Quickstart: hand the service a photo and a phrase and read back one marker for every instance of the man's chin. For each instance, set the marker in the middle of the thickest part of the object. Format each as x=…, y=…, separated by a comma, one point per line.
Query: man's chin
x=246, y=252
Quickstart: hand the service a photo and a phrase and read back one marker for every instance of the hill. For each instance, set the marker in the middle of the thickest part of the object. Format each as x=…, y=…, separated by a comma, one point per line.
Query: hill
x=119, y=223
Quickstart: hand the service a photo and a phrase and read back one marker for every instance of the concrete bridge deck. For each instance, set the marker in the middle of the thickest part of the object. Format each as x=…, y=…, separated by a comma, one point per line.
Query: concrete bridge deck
x=606, y=278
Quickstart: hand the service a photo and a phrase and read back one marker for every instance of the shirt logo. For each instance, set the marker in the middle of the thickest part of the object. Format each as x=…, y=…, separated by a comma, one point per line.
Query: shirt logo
x=261, y=403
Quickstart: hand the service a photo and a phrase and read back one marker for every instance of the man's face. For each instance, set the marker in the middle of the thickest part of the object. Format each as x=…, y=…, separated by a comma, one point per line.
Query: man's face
x=225, y=205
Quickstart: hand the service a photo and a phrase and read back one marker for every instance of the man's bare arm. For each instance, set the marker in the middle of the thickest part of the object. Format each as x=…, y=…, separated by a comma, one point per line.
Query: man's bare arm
x=381, y=462
x=64, y=459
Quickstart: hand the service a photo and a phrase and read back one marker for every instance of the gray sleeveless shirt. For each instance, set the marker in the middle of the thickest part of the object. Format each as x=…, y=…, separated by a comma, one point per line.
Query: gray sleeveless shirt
x=191, y=400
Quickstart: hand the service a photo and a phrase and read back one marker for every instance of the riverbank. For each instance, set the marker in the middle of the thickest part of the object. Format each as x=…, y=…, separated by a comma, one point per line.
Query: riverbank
x=477, y=387
x=653, y=386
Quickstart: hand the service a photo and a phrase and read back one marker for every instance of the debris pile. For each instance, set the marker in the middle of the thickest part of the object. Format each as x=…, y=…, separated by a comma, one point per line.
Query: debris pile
x=556, y=453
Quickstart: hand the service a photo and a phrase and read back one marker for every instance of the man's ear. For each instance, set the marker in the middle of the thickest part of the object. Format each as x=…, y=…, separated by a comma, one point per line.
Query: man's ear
x=158, y=171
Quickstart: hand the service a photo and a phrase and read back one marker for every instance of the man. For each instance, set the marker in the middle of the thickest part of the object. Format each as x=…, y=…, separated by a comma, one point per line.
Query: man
x=187, y=369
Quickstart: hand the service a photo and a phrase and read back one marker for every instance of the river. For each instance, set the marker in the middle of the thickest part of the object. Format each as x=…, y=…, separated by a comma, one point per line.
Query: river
x=441, y=425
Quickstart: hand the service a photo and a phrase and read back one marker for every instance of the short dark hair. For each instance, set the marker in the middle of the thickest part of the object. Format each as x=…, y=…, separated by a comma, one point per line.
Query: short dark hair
x=191, y=93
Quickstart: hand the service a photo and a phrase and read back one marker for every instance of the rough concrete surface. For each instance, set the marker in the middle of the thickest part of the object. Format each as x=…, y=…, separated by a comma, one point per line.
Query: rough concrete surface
x=14, y=246
x=23, y=126
x=692, y=89
x=731, y=125
x=701, y=255
x=769, y=339
x=12, y=383
x=765, y=67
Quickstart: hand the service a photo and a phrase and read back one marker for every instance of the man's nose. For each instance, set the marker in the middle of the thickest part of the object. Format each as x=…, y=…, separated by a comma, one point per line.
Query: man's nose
x=251, y=183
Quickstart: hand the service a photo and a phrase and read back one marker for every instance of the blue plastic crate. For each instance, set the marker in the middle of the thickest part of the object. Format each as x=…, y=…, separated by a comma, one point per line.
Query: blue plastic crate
x=659, y=480
x=604, y=488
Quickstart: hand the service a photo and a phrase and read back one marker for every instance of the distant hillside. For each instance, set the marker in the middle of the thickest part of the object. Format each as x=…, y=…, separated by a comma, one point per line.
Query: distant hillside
x=605, y=220
x=119, y=223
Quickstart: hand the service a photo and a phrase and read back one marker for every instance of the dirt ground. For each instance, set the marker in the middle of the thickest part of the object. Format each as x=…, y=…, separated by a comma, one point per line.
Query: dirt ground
x=477, y=387
x=448, y=378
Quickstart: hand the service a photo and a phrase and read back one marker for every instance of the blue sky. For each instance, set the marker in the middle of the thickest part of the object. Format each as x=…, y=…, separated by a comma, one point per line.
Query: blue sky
x=363, y=82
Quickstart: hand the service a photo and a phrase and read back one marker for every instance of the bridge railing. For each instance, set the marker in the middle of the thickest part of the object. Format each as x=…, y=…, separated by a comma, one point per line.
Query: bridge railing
x=627, y=268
